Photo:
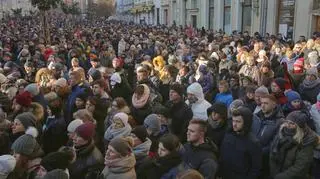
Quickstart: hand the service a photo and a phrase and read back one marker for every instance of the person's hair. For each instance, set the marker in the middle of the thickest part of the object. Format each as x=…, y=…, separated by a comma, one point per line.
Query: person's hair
x=93, y=100
x=270, y=96
x=170, y=142
x=139, y=90
x=121, y=102
x=185, y=68
x=201, y=123
x=190, y=174
x=99, y=82
x=250, y=89
x=84, y=115
x=224, y=83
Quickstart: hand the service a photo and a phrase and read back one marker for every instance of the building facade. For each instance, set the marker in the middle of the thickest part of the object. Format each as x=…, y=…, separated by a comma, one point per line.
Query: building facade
x=7, y=5
x=123, y=10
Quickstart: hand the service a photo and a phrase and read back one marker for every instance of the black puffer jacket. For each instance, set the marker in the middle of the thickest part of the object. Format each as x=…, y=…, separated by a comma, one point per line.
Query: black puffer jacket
x=88, y=164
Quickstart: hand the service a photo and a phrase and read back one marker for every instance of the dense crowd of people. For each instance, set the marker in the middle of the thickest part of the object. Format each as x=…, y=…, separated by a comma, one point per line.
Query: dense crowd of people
x=111, y=100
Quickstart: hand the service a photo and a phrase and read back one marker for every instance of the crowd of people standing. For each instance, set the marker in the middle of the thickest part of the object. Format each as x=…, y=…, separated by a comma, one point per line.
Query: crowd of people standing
x=108, y=99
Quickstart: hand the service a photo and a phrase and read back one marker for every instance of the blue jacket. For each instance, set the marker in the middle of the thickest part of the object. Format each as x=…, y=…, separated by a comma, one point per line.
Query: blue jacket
x=266, y=128
x=76, y=90
x=240, y=157
x=225, y=98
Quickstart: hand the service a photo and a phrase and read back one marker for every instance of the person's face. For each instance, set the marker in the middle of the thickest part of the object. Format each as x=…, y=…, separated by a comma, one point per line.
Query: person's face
x=136, y=140
x=265, y=70
x=115, y=63
x=215, y=116
x=237, y=123
x=250, y=95
x=28, y=69
x=278, y=50
x=174, y=96
x=141, y=76
x=16, y=106
x=71, y=135
x=310, y=77
x=79, y=103
x=96, y=89
x=256, y=46
x=111, y=154
x=182, y=72
x=78, y=141
x=290, y=124
x=162, y=151
x=17, y=127
x=117, y=123
x=90, y=107
x=267, y=105
x=245, y=82
x=194, y=133
x=74, y=63
x=73, y=80
x=222, y=88
x=296, y=104
x=275, y=88
x=94, y=64
x=233, y=82
x=257, y=98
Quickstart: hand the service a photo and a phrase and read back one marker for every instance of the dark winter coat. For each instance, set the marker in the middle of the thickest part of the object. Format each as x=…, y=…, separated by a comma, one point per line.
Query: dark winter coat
x=180, y=114
x=54, y=134
x=240, y=156
x=202, y=158
x=89, y=163
x=140, y=114
x=217, y=134
x=162, y=167
x=310, y=90
x=291, y=158
x=70, y=106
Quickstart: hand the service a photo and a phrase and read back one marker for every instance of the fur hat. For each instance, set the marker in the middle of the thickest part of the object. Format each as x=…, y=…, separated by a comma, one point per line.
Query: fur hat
x=27, y=119
x=74, y=125
x=153, y=123
x=122, y=145
x=313, y=58
x=33, y=89
x=140, y=132
x=24, y=99
x=86, y=131
x=7, y=165
x=298, y=117
x=262, y=90
x=27, y=144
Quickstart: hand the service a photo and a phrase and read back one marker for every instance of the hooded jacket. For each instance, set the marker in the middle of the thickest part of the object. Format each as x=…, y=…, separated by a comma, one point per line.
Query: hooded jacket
x=141, y=151
x=202, y=158
x=241, y=153
x=199, y=108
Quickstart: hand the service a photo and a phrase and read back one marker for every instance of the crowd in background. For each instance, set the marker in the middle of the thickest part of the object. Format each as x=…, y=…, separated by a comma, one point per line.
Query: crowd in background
x=106, y=99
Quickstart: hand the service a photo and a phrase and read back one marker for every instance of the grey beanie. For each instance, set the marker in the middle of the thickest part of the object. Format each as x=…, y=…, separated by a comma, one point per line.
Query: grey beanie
x=56, y=174
x=27, y=119
x=262, y=90
x=33, y=89
x=27, y=144
x=313, y=58
x=152, y=122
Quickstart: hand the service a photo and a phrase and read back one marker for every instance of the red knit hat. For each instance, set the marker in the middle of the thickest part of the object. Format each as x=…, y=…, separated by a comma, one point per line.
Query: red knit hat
x=298, y=65
x=86, y=130
x=24, y=99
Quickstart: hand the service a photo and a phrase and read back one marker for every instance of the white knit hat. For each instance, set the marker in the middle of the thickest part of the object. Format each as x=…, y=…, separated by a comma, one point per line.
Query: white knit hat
x=7, y=165
x=123, y=116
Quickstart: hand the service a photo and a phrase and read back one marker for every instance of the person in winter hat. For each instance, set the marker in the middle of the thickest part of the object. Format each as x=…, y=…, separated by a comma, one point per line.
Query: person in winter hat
x=234, y=161
x=261, y=91
x=58, y=160
x=165, y=165
x=56, y=174
x=7, y=165
x=30, y=153
x=283, y=159
x=278, y=87
x=298, y=66
x=195, y=99
x=88, y=157
x=24, y=99
x=119, y=128
x=119, y=159
x=152, y=124
x=141, y=144
x=21, y=123
x=310, y=86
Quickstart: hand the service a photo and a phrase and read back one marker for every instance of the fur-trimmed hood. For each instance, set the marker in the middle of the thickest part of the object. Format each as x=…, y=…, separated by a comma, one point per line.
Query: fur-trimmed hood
x=303, y=136
x=37, y=110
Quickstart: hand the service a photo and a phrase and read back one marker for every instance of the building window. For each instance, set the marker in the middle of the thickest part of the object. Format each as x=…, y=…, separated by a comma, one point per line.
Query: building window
x=194, y=21
x=211, y=14
x=166, y=16
x=194, y=4
x=227, y=17
x=286, y=17
x=158, y=16
x=246, y=15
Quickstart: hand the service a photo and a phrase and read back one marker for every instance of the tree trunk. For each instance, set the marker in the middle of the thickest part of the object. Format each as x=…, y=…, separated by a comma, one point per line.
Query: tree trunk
x=45, y=27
